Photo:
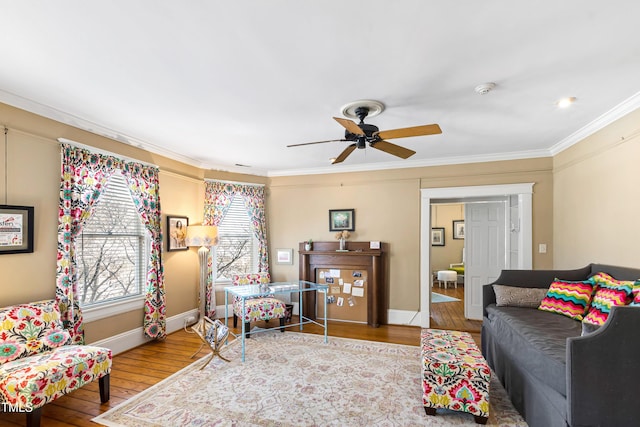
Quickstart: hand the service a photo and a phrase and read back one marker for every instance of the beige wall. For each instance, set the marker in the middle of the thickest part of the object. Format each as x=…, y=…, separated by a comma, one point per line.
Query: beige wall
x=443, y=216
x=387, y=207
x=597, y=198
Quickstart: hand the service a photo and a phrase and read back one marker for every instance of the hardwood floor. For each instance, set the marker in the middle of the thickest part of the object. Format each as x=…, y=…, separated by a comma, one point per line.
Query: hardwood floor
x=137, y=369
x=450, y=315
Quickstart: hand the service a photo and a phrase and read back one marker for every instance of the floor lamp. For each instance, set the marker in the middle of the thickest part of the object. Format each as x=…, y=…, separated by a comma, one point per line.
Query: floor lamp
x=203, y=236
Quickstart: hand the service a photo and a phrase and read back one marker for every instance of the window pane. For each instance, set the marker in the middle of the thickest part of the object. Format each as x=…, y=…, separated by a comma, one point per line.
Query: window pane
x=237, y=248
x=112, y=248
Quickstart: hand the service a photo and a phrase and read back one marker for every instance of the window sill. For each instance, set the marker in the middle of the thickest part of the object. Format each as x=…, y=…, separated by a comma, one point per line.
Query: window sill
x=112, y=308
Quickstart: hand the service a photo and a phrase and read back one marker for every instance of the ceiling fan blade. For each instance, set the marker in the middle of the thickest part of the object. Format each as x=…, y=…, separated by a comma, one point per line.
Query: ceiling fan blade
x=394, y=149
x=317, y=142
x=341, y=158
x=412, y=131
x=349, y=125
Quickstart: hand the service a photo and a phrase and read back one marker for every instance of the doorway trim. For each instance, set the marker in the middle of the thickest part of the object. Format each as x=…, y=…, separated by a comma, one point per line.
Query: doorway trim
x=524, y=191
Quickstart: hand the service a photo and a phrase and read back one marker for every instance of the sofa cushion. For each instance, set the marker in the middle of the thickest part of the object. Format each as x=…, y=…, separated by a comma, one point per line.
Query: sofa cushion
x=569, y=298
x=536, y=339
x=32, y=328
x=514, y=296
x=609, y=293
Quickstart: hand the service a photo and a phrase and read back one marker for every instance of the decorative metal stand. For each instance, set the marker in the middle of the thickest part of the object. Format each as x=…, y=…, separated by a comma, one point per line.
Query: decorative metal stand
x=212, y=333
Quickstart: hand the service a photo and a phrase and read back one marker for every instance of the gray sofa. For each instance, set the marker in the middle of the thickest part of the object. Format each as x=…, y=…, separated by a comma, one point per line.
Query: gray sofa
x=553, y=375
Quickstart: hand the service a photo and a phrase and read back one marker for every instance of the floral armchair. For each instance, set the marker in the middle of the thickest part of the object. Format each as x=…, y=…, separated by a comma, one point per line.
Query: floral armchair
x=38, y=363
x=260, y=308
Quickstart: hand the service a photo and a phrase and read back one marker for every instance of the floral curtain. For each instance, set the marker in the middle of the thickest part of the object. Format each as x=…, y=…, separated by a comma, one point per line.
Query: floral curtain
x=83, y=179
x=144, y=186
x=218, y=198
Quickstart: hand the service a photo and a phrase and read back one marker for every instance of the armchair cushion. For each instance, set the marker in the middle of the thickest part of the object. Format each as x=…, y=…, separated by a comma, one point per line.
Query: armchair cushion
x=261, y=308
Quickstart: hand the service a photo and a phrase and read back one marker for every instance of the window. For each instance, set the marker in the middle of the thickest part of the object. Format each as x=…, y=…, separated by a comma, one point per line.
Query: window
x=112, y=249
x=237, y=250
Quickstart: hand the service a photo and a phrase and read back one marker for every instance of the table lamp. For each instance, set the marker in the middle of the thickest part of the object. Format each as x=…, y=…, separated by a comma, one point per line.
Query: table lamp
x=203, y=236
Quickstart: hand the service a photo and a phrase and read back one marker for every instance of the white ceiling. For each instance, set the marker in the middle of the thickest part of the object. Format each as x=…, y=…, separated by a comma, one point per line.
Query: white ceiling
x=216, y=83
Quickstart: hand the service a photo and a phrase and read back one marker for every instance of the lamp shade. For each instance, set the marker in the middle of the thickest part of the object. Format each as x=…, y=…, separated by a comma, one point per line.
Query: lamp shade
x=202, y=235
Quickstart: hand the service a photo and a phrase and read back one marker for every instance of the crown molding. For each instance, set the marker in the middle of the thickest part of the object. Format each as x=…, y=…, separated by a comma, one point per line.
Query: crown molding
x=89, y=126
x=404, y=164
x=49, y=112
x=627, y=106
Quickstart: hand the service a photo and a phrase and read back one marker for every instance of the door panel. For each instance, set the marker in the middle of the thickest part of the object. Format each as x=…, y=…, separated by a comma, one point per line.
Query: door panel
x=485, y=251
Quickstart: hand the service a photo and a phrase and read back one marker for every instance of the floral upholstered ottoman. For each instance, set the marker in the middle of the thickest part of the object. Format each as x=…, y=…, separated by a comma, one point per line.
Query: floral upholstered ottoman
x=455, y=376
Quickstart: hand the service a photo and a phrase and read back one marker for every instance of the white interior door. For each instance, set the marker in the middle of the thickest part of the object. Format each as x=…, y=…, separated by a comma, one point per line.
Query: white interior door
x=485, y=251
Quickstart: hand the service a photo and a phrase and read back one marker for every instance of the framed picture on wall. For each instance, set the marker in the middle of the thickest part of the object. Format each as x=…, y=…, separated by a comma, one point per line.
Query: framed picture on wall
x=284, y=256
x=177, y=233
x=458, y=229
x=342, y=219
x=437, y=236
x=16, y=229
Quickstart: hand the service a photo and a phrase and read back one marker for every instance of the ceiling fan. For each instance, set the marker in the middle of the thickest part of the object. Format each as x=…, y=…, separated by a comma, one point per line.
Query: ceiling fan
x=362, y=133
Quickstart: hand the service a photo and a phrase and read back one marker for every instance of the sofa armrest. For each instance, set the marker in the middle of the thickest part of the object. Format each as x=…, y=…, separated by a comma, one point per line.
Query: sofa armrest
x=602, y=372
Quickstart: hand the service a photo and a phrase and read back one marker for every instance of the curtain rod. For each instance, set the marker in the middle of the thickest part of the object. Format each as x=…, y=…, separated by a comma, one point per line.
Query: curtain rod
x=105, y=152
x=224, y=181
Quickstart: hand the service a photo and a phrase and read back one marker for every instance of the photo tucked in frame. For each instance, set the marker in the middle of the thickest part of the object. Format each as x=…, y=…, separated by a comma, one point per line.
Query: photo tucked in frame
x=284, y=256
x=16, y=229
x=458, y=229
x=342, y=219
x=437, y=236
x=177, y=233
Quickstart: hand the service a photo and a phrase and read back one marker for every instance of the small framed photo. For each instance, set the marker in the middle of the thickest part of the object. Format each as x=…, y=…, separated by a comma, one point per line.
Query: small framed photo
x=284, y=256
x=177, y=233
x=437, y=236
x=342, y=219
x=458, y=229
x=16, y=229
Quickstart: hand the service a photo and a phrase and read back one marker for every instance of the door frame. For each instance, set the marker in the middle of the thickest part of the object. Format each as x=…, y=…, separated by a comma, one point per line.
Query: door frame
x=524, y=191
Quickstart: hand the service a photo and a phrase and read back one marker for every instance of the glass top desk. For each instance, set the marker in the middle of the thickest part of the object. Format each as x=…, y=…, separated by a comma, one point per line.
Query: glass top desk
x=246, y=292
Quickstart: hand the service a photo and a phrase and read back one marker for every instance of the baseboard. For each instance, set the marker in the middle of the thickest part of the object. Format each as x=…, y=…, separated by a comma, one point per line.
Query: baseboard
x=403, y=317
x=135, y=337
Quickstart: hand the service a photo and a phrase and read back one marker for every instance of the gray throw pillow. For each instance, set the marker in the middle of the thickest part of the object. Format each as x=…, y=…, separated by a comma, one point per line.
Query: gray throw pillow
x=513, y=296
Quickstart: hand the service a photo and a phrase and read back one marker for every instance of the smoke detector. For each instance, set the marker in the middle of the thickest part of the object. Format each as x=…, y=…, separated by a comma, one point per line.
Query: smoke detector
x=485, y=88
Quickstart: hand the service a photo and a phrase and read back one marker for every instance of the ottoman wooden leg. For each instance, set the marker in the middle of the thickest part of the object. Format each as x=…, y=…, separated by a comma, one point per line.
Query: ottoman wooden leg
x=430, y=411
x=480, y=420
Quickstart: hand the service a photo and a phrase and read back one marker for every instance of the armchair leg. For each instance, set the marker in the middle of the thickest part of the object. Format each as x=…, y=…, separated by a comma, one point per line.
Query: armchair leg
x=33, y=417
x=282, y=319
x=235, y=321
x=247, y=329
x=104, y=388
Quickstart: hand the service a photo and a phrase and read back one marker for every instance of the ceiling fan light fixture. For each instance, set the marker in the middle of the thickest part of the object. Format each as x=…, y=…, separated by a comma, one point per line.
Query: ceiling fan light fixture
x=485, y=88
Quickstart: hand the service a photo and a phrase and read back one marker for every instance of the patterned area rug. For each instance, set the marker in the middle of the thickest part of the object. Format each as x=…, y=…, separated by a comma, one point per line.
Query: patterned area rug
x=295, y=379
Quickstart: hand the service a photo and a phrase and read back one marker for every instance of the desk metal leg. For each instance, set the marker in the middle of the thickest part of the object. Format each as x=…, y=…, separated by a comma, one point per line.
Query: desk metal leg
x=326, y=338
x=226, y=312
x=300, y=308
x=243, y=326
